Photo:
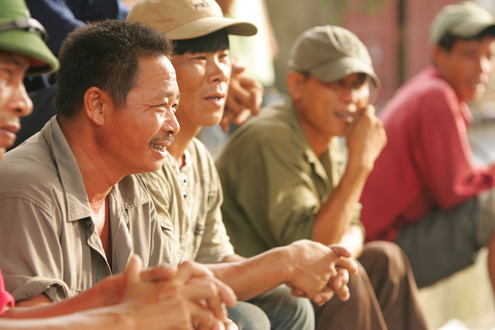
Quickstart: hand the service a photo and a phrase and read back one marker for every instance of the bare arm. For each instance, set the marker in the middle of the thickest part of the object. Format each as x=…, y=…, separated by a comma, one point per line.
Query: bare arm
x=304, y=266
x=191, y=297
x=365, y=140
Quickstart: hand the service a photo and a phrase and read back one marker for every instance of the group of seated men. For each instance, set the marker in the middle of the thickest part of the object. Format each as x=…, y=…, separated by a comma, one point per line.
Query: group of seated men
x=113, y=215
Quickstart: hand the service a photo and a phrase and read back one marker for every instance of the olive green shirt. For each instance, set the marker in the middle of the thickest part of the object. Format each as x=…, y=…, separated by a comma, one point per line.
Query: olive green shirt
x=188, y=203
x=273, y=183
x=48, y=241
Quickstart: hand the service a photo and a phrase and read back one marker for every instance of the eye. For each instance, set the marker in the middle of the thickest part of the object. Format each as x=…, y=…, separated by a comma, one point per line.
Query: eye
x=174, y=107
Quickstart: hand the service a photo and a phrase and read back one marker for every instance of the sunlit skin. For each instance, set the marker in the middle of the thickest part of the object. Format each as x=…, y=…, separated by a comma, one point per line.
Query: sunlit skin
x=328, y=108
x=203, y=79
x=467, y=66
x=14, y=100
x=137, y=135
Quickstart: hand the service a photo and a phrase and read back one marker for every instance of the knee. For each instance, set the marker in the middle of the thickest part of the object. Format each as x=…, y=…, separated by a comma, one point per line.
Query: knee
x=286, y=311
x=249, y=317
x=384, y=258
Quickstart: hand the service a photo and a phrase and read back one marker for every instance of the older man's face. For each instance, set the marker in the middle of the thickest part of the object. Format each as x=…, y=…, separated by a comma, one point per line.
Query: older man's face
x=138, y=134
x=14, y=101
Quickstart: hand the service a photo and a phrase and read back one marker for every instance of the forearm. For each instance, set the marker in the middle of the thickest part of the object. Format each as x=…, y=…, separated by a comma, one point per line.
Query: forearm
x=252, y=277
x=353, y=240
x=96, y=320
x=335, y=215
x=42, y=307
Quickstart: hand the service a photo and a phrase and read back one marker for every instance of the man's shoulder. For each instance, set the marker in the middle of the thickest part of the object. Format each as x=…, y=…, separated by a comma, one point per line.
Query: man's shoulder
x=419, y=94
x=425, y=85
x=275, y=122
x=29, y=173
x=28, y=169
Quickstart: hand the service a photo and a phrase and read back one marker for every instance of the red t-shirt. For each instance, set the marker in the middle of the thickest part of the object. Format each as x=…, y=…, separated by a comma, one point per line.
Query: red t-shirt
x=6, y=298
x=426, y=163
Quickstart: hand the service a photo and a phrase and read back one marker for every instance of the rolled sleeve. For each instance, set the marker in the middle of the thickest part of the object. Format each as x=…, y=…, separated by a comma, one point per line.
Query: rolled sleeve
x=31, y=231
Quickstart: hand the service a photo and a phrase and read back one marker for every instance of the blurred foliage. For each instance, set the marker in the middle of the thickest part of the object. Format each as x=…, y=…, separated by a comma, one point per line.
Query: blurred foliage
x=339, y=8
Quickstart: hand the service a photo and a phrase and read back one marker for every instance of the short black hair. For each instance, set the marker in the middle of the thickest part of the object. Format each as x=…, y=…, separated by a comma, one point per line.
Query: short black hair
x=215, y=41
x=448, y=40
x=105, y=55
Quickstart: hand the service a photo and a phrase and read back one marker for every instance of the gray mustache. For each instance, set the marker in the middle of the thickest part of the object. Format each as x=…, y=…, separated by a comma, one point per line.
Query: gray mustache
x=168, y=138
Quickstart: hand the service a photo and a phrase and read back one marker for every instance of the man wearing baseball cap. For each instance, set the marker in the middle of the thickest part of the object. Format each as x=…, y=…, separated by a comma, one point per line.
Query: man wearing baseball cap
x=186, y=190
x=284, y=178
x=425, y=193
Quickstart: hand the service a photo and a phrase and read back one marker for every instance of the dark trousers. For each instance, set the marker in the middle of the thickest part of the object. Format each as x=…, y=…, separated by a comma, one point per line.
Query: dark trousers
x=383, y=295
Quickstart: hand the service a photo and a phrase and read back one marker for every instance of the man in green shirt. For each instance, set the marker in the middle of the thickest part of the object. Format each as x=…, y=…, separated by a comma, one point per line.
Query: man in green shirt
x=284, y=178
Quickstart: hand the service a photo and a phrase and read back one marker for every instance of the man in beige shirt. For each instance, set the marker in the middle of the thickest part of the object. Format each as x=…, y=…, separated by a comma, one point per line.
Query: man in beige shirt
x=54, y=243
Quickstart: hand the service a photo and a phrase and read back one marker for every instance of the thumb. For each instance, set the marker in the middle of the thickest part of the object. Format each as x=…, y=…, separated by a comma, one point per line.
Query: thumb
x=132, y=273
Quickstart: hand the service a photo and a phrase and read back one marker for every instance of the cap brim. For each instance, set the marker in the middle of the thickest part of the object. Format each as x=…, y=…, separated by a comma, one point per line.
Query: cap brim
x=338, y=69
x=207, y=25
x=31, y=45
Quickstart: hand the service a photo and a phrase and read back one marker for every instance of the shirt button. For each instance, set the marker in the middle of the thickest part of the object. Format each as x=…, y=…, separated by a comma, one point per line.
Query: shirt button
x=184, y=194
x=88, y=223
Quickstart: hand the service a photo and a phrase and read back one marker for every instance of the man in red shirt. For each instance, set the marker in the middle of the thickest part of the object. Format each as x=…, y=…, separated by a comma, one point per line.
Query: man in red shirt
x=424, y=192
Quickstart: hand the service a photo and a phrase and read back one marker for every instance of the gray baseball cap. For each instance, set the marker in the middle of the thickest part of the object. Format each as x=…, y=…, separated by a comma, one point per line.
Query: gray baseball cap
x=465, y=20
x=187, y=19
x=330, y=53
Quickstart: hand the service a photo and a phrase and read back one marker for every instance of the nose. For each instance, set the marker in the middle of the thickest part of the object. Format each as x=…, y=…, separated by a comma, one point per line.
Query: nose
x=346, y=94
x=171, y=125
x=19, y=102
x=219, y=70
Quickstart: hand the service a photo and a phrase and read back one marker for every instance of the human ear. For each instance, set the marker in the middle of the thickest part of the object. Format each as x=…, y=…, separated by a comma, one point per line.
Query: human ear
x=96, y=104
x=295, y=84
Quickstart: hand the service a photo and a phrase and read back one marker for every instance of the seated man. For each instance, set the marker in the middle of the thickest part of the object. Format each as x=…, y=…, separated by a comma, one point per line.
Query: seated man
x=284, y=179
x=187, y=192
x=138, y=304
x=70, y=212
x=424, y=193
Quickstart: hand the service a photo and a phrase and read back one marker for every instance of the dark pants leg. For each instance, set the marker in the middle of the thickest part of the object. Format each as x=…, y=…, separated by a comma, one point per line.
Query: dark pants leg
x=390, y=275
x=383, y=295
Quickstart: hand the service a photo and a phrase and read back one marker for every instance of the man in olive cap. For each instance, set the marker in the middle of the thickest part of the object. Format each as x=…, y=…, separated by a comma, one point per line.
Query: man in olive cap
x=284, y=179
x=425, y=193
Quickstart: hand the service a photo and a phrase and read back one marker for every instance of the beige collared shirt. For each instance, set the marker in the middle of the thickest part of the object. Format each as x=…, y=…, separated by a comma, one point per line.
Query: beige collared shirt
x=48, y=241
x=273, y=183
x=188, y=203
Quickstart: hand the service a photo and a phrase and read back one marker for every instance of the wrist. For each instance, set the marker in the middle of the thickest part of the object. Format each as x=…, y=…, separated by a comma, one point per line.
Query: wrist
x=283, y=262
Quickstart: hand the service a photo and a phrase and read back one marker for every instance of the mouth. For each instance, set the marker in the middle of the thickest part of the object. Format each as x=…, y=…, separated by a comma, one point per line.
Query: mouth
x=9, y=133
x=215, y=97
x=346, y=116
x=162, y=143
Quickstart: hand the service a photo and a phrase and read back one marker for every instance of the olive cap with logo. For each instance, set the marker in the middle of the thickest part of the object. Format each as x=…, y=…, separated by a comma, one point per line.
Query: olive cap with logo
x=21, y=34
x=330, y=53
x=465, y=20
x=187, y=19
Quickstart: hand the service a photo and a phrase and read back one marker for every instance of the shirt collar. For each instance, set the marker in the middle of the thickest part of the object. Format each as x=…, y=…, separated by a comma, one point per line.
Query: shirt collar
x=131, y=191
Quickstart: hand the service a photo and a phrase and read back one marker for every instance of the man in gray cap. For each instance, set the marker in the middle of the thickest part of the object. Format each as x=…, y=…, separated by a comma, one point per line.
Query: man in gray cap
x=284, y=178
x=424, y=192
x=187, y=193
